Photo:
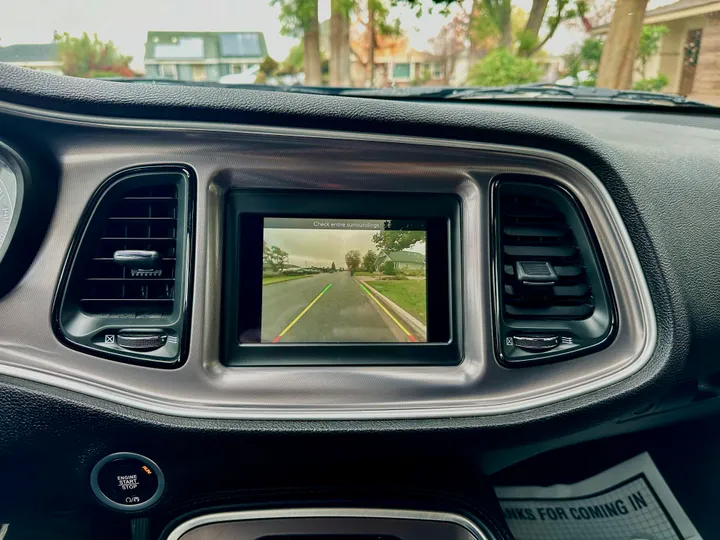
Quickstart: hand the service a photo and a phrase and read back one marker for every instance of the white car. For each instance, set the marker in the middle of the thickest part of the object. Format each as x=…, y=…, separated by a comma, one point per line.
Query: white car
x=248, y=76
x=582, y=76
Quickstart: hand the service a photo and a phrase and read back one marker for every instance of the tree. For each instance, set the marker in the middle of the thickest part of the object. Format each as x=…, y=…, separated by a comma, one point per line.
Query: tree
x=621, y=45
x=340, y=42
x=501, y=67
x=397, y=240
x=529, y=39
x=299, y=18
x=586, y=58
x=449, y=45
x=353, y=260
x=277, y=258
x=269, y=66
x=87, y=56
x=332, y=267
x=369, y=260
x=372, y=24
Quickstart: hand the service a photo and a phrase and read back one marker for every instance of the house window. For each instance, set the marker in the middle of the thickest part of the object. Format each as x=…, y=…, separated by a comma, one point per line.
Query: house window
x=236, y=68
x=198, y=72
x=167, y=71
x=437, y=71
x=401, y=71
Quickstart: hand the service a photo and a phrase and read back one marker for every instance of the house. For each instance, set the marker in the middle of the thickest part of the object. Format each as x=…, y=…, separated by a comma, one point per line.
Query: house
x=202, y=56
x=689, y=53
x=396, y=64
x=402, y=260
x=40, y=56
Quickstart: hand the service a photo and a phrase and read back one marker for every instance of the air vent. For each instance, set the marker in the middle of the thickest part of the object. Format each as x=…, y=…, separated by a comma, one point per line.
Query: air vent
x=553, y=300
x=143, y=219
x=544, y=275
x=129, y=270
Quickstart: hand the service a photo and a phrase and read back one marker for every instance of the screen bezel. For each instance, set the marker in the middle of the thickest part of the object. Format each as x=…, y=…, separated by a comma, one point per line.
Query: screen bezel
x=242, y=296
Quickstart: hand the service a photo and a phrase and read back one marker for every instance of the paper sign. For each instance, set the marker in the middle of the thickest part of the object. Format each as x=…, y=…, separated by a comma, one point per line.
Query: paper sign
x=630, y=501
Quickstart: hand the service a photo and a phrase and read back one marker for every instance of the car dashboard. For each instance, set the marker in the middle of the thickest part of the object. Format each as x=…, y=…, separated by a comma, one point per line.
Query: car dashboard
x=566, y=277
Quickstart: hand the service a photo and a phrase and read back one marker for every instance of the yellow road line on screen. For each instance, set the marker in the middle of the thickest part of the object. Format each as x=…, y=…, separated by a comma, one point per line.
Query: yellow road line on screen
x=303, y=312
x=408, y=334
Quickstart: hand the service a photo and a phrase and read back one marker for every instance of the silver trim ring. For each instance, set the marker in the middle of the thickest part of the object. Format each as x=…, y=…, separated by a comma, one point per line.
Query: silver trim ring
x=300, y=513
x=204, y=406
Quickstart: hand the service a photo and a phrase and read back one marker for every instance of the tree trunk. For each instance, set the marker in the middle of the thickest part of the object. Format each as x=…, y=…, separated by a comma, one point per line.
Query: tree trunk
x=336, y=44
x=506, y=39
x=345, y=50
x=537, y=14
x=534, y=22
x=470, y=34
x=621, y=45
x=311, y=49
x=371, y=42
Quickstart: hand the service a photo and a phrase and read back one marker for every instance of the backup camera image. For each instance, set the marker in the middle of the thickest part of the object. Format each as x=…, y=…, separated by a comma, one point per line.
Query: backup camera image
x=343, y=280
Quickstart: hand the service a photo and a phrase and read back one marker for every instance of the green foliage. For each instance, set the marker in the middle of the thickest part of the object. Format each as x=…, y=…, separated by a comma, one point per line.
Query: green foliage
x=295, y=16
x=269, y=66
x=649, y=45
x=295, y=61
x=501, y=67
x=397, y=240
x=353, y=259
x=332, y=267
x=383, y=26
x=585, y=58
x=651, y=85
x=369, y=260
x=87, y=56
x=388, y=268
x=275, y=257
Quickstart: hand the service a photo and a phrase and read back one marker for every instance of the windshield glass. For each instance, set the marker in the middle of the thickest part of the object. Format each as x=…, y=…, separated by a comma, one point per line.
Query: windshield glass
x=561, y=48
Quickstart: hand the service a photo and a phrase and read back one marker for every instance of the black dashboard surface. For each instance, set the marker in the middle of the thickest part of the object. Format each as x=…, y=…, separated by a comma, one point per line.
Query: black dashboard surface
x=661, y=169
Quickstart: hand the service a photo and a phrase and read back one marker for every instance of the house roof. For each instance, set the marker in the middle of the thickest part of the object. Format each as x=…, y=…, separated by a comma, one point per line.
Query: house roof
x=203, y=45
x=29, y=52
x=671, y=12
x=406, y=257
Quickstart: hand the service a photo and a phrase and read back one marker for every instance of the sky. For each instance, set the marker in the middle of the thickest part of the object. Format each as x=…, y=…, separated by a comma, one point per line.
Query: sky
x=322, y=248
x=127, y=22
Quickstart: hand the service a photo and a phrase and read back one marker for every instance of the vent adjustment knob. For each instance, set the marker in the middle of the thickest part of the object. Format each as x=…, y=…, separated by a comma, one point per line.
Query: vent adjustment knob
x=141, y=340
x=536, y=343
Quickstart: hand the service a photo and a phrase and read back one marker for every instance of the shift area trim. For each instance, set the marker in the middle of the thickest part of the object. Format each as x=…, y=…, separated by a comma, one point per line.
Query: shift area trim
x=303, y=519
x=224, y=157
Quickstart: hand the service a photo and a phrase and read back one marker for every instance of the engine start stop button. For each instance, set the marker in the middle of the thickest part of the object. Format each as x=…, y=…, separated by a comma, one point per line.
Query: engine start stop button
x=127, y=481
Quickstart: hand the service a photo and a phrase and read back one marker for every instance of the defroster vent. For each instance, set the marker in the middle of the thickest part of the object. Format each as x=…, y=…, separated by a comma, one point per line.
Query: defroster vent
x=124, y=290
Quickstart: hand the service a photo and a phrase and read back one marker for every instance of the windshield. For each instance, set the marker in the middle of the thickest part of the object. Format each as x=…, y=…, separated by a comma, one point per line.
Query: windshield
x=643, y=48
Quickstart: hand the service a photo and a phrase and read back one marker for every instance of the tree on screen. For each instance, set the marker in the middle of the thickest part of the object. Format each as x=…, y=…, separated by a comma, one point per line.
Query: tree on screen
x=275, y=257
x=369, y=260
x=397, y=240
x=353, y=259
x=332, y=267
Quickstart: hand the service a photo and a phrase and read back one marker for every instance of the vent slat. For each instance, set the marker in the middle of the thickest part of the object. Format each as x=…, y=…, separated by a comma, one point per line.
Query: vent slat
x=535, y=230
x=145, y=219
x=540, y=251
x=549, y=232
x=550, y=312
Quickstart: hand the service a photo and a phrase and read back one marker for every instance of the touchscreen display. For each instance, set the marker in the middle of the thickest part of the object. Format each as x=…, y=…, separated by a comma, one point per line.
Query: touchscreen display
x=343, y=280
